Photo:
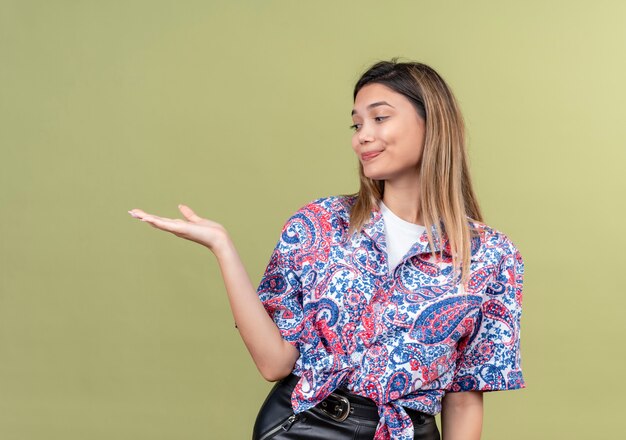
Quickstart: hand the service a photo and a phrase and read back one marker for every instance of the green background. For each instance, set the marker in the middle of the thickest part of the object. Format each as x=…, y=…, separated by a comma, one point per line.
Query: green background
x=111, y=329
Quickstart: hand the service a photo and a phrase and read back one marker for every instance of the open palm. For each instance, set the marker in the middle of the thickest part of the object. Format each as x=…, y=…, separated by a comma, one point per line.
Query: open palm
x=203, y=231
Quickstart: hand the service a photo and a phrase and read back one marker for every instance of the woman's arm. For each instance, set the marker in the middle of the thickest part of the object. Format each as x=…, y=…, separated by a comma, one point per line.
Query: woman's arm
x=462, y=415
x=274, y=357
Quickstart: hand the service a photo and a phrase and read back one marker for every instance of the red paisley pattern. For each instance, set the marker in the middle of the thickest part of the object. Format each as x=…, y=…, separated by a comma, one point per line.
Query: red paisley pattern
x=402, y=339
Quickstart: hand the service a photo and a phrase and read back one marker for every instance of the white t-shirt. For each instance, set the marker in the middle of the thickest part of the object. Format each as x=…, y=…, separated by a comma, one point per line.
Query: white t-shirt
x=399, y=234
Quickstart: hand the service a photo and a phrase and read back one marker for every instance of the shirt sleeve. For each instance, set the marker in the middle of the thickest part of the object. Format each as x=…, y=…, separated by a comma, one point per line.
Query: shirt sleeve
x=490, y=359
x=280, y=288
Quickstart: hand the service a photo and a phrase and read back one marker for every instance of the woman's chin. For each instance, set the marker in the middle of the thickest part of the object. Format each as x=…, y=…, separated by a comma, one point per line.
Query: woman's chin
x=374, y=176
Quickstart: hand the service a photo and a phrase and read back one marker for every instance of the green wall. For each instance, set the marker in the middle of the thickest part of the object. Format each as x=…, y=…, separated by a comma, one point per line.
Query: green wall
x=110, y=329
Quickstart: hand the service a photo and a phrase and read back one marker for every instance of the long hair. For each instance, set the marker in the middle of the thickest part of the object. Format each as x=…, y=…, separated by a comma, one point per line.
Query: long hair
x=447, y=199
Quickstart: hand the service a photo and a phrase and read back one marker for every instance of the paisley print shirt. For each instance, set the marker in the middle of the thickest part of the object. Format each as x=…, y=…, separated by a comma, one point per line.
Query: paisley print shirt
x=402, y=339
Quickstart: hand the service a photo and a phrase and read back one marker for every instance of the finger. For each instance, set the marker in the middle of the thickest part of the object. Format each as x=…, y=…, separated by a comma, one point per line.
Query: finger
x=141, y=215
x=188, y=213
x=169, y=225
x=137, y=213
x=156, y=217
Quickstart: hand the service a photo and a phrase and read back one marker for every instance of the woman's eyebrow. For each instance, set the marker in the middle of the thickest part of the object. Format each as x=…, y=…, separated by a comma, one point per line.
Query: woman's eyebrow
x=372, y=105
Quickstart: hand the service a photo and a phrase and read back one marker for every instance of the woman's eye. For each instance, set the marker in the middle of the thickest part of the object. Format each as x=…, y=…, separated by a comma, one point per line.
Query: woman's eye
x=356, y=127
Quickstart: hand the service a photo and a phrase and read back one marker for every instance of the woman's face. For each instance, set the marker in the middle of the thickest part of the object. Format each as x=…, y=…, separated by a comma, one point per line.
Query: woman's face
x=388, y=134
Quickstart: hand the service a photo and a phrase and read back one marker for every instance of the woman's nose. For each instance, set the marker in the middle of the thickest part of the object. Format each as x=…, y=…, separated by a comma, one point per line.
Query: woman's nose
x=365, y=135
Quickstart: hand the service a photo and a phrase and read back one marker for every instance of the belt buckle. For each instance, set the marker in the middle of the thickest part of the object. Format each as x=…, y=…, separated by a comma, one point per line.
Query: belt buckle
x=341, y=409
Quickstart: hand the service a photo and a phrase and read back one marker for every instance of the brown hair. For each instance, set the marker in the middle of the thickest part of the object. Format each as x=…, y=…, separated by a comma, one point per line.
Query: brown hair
x=447, y=199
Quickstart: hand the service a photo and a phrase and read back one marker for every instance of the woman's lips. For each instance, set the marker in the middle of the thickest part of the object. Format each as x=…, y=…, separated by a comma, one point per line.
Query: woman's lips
x=371, y=155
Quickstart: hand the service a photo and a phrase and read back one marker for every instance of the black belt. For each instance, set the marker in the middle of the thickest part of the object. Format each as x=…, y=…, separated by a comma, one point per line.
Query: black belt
x=341, y=404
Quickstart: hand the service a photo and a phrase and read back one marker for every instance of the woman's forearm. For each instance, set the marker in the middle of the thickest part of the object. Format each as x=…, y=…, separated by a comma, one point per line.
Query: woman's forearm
x=462, y=415
x=273, y=356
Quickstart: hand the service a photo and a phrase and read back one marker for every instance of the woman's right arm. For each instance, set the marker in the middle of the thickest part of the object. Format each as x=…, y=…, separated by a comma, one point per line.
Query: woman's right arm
x=273, y=356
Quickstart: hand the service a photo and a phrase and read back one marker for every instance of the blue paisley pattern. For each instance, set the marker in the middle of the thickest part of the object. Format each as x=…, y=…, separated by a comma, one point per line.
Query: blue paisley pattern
x=402, y=339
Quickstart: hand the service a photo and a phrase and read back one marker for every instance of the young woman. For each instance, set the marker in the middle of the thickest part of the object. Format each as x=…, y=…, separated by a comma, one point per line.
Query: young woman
x=380, y=309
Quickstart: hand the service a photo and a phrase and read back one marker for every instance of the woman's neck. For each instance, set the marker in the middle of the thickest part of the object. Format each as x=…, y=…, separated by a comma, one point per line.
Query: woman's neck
x=403, y=199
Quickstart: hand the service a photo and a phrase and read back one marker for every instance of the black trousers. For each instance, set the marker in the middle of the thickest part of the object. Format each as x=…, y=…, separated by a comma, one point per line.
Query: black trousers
x=277, y=421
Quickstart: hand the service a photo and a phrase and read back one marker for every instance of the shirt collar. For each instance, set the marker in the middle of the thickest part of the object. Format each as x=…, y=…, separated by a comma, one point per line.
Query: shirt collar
x=374, y=228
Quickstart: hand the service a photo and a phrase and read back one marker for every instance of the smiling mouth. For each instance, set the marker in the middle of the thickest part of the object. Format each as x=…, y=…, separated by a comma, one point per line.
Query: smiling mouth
x=370, y=156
